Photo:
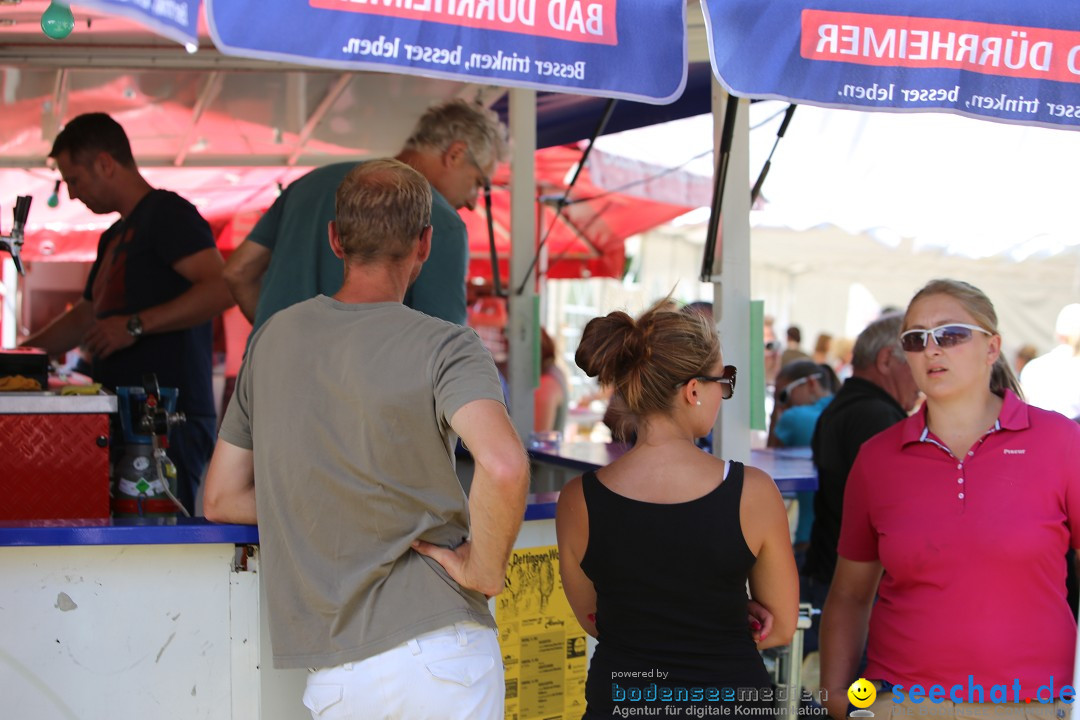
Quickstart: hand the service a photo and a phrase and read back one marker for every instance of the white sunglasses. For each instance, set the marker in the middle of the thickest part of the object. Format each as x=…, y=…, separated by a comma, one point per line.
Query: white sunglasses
x=784, y=395
x=945, y=336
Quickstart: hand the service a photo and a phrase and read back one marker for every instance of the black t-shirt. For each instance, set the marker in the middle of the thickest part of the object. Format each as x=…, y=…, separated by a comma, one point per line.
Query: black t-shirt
x=133, y=271
x=857, y=413
x=671, y=603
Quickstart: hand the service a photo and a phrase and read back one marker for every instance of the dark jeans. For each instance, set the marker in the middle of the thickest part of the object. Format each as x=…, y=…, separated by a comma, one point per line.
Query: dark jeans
x=190, y=447
x=814, y=592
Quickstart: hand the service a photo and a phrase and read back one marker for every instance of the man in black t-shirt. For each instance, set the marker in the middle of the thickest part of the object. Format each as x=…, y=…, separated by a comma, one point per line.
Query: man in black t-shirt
x=152, y=291
x=880, y=393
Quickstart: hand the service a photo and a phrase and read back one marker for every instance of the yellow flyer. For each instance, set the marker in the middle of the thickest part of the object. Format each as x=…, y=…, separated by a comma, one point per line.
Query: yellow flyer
x=543, y=647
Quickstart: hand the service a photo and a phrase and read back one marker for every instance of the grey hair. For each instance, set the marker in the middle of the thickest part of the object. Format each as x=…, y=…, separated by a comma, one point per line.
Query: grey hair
x=882, y=333
x=478, y=127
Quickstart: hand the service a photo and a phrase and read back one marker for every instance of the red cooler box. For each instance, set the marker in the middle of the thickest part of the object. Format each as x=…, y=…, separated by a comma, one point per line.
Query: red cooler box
x=54, y=455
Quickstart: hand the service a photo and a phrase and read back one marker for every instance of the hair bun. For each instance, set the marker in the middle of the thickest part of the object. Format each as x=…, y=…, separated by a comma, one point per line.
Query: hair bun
x=608, y=346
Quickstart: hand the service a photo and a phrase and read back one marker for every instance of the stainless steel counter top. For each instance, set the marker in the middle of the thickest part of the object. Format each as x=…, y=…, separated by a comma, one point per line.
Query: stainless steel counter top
x=51, y=401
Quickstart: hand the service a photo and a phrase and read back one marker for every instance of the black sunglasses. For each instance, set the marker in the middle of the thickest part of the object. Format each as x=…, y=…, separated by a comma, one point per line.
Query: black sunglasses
x=727, y=381
x=945, y=336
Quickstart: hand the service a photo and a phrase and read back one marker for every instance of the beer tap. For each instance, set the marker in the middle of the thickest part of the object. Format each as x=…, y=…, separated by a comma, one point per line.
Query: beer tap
x=13, y=243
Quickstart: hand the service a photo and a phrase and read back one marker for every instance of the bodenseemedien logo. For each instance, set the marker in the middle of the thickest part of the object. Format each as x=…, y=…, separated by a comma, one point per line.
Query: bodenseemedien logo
x=862, y=694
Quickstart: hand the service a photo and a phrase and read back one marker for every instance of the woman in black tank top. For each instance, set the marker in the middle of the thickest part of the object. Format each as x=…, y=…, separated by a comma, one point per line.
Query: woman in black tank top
x=656, y=549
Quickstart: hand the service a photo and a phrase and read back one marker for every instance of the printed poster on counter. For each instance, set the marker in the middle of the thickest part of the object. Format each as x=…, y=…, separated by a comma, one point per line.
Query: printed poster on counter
x=1016, y=62
x=590, y=47
x=543, y=646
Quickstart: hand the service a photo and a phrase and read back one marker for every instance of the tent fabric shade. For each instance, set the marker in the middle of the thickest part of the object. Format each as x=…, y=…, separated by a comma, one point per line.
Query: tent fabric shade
x=585, y=239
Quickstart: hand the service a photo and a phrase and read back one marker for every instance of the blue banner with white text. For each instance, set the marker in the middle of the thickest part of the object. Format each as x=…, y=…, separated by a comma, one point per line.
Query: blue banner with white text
x=175, y=19
x=1016, y=62
x=633, y=49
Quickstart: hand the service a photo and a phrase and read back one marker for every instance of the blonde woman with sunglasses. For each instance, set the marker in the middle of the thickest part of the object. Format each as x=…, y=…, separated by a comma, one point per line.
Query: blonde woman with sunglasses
x=656, y=548
x=958, y=519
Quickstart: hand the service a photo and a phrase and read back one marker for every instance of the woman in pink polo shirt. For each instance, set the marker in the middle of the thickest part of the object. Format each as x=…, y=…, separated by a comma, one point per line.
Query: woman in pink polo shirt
x=958, y=519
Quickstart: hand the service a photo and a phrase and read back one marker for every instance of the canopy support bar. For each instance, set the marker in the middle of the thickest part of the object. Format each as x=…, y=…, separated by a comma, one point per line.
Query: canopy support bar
x=320, y=112
x=708, y=261
x=207, y=94
x=609, y=108
x=51, y=123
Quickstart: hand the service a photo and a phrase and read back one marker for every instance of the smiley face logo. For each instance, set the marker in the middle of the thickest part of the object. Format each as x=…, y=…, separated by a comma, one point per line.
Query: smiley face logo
x=862, y=693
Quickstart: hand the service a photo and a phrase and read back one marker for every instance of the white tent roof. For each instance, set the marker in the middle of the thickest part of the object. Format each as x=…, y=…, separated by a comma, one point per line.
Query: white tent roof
x=968, y=187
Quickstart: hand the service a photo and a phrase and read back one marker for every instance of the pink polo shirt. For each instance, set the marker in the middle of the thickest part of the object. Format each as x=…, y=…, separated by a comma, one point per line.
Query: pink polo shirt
x=973, y=551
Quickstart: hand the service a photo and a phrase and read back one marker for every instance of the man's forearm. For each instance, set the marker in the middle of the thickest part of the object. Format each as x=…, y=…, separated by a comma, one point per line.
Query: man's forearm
x=247, y=297
x=244, y=271
x=201, y=302
x=496, y=510
x=65, y=332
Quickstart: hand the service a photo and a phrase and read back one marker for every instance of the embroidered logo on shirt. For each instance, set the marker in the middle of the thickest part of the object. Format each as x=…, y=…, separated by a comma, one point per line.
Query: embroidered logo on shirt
x=1014, y=452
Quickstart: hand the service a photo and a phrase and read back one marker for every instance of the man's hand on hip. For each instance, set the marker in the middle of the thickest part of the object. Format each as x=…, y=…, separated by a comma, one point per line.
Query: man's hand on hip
x=457, y=566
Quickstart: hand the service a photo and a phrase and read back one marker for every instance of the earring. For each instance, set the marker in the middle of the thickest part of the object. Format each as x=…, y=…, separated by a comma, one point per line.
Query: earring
x=698, y=402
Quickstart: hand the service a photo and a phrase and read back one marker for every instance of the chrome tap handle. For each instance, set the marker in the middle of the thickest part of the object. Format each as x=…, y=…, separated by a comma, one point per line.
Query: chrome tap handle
x=13, y=242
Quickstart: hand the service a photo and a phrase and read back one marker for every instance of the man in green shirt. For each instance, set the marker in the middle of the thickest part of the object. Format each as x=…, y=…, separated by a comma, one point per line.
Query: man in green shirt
x=286, y=259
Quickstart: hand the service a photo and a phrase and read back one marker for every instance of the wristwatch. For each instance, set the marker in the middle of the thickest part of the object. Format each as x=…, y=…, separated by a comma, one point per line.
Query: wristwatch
x=134, y=327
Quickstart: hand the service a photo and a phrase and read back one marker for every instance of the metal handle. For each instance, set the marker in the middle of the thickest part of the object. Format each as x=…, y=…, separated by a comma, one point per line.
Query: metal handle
x=13, y=242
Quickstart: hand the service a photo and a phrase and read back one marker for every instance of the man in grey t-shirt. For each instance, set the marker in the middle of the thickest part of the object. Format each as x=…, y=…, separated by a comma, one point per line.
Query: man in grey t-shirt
x=343, y=425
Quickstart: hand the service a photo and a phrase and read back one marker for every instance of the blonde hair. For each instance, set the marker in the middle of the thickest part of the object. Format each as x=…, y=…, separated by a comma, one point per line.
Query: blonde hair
x=980, y=308
x=381, y=207
x=648, y=358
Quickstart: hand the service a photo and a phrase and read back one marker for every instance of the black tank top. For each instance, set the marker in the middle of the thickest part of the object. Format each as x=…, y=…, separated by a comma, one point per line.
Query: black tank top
x=671, y=600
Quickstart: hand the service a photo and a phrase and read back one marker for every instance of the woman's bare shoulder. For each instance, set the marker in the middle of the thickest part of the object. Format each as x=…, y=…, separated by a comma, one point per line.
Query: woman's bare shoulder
x=758, y=484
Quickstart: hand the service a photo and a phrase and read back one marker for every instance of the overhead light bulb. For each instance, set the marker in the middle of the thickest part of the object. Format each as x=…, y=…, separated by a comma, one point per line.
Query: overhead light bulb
x=54, y=199
x=57, y=21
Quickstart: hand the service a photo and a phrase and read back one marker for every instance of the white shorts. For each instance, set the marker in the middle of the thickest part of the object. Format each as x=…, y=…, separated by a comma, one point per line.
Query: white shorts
x=450, y=673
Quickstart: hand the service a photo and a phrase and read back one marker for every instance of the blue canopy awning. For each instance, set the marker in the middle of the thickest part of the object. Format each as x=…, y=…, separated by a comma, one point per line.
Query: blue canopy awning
x=563, y=118
x=1015, y=62
x=592, y=47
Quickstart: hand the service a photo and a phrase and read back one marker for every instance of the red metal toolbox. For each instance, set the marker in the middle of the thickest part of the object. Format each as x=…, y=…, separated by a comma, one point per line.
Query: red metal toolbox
x=54, y=455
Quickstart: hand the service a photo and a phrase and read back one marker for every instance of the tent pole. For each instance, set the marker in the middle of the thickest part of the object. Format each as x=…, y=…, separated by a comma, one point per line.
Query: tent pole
x=496, y=281
x=731, y=286
x=521, y=331
x=730, y=113
x=564, y=200
x=755, y=192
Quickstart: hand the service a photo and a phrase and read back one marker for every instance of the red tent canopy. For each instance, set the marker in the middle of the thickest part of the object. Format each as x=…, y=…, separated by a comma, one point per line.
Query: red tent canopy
x=585, y=239
x=229, y=198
